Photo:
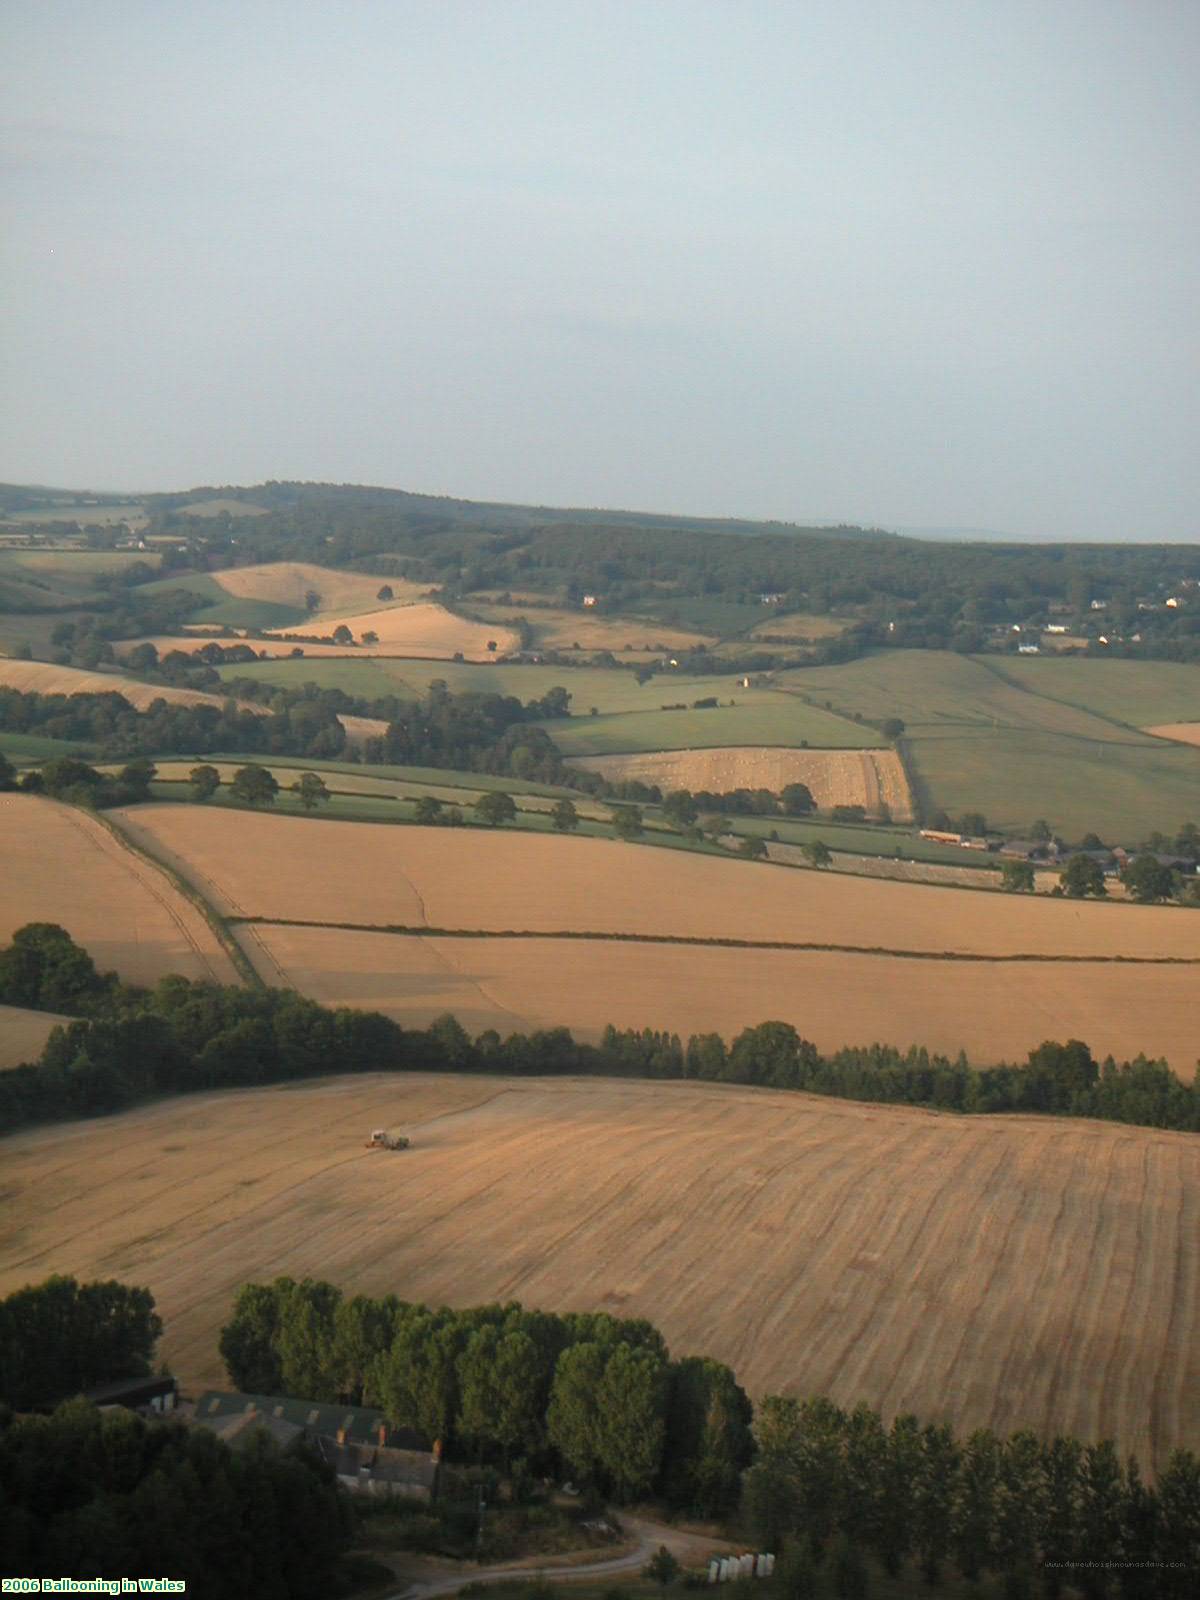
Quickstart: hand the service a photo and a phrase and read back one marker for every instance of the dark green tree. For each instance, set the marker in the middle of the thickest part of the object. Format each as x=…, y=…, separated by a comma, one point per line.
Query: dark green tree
x=427, y=810
x=662, y=1568
x=1082, y=876
x=1017, y=877
x=1147, y=879
x=817, y=853
x=797, y=799
x=495, y=808
x=309, y=788
x=627, y=823
x=205, y=782
x=564, y=816
x=254, y=785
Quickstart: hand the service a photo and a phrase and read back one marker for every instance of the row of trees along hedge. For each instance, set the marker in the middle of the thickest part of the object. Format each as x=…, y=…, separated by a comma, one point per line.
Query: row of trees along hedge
x=593, y=1395
x=181, y=1036
x=1015, y=1506
x=60, y=1337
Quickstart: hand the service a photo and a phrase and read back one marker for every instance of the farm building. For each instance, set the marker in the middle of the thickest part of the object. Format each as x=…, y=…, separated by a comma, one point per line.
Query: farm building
x=136, y=1394
x=367, y=1455
x=383, y=1470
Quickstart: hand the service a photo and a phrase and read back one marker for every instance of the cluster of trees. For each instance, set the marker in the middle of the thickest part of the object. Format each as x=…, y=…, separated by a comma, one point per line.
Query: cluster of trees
x=592, y=1395
x=1146, y=878
x=112, y=729
x=61, y=1337
x=88, y=1494
x=68, y=778
x=182, y=1036
x=684, y=807
x=825, y=1479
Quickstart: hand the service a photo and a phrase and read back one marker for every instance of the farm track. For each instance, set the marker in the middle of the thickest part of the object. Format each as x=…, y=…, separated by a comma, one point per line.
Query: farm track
x=998, y=1272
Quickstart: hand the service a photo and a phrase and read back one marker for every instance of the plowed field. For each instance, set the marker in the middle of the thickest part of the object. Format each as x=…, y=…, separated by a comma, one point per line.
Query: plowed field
x=61, y=865
x=867, y=778
x=1009, y=1272
x=993, y=1010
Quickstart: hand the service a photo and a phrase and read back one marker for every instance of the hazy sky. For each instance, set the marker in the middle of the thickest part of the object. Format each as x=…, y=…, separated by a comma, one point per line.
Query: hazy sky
x=898, y=261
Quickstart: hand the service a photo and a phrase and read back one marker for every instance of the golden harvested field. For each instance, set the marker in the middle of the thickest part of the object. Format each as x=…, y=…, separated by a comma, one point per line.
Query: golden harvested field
x=286, y=583
x=563, y=629
x=321, y=870
x=1181, y=732
x=424, y=629
x=62, y=865
x=868, y=778
x=42, y=677
x=993, y=1010
x=1016, y=1272
x=24, y=1033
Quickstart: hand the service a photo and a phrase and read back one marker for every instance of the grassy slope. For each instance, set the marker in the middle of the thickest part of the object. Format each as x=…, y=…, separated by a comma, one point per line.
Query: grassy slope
x=1139, y=693
x=226, y=608
x=756, y=717
x=983, y=738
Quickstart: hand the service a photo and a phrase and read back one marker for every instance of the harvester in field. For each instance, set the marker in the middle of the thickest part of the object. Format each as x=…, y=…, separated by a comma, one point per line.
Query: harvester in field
x=381, y=1139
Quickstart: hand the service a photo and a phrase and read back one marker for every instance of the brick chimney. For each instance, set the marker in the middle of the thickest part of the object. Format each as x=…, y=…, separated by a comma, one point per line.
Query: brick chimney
x=437, y=1450
x=341, y=1436
x=382, y=1434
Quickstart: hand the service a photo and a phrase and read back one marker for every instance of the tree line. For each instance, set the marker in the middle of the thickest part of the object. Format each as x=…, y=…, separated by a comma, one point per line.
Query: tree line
x=1016, y=1506
x=183, y=1036
x=586, y=1394
x=61, y=1337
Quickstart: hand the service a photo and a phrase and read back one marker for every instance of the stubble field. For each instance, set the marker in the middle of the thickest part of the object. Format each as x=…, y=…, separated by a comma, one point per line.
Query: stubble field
x=23, y=1034
x=868, y=778
x=993, y=1010
x=274, y=870
x=421, y=629
x=1015, y=1272
x=61, y=865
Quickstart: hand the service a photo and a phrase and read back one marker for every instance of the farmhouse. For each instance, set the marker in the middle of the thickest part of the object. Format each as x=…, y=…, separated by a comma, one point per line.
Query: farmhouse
x=367, y=1455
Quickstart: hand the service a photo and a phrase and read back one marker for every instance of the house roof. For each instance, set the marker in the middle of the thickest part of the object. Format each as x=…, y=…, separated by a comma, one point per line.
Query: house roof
x=238, y=1430
x=361, y=1423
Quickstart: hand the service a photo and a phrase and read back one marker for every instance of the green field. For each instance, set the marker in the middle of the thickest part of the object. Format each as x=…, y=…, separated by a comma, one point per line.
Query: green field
x=40, y=578
x=226, y=609
x=757, y=717
x=996, y=735
x=1139, y=693
x=32, y=747
x=721, y=618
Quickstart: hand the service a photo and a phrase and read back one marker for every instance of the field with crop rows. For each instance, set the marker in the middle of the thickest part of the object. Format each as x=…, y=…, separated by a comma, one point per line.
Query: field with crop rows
x=62, y=865
x=273, y=870
x=868, y=778
x=1011, y=1272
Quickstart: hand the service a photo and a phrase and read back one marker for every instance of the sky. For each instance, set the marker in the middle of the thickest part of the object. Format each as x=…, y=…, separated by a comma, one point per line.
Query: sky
x=920, y=263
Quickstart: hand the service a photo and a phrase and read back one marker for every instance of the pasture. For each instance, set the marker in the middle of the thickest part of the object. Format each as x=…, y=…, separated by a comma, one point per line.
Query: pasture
x=62, y=865
x=1008, y=1273
x=743, y=717
x=1021, y=738
x=869, y=778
